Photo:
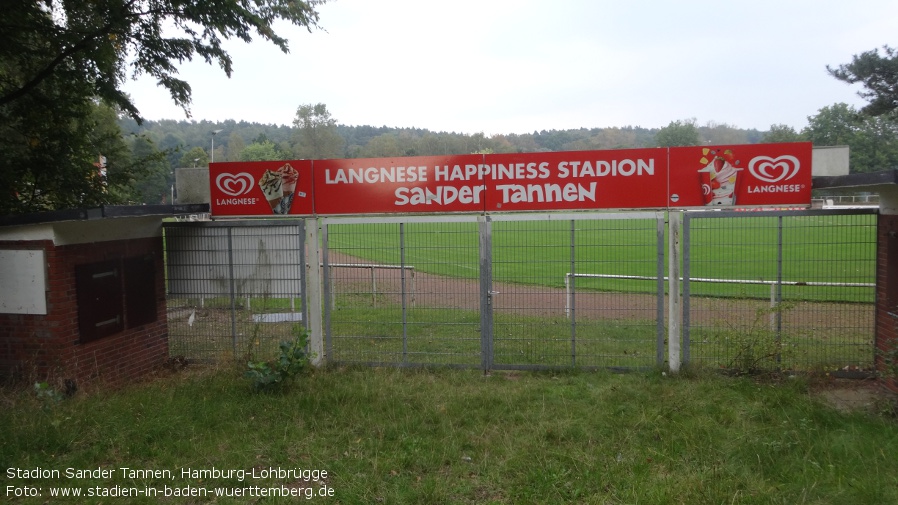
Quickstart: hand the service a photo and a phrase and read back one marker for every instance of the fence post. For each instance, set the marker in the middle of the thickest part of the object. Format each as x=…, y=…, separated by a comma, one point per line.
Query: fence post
x=675, y=314
x=779, y=286
x=404, y=295
x=231, y=293
x=486, y=292
x=659, y=287
x=313, y=293
x=573, y=295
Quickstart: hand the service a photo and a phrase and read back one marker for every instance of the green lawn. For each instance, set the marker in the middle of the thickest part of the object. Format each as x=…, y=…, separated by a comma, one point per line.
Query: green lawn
x=456, y=436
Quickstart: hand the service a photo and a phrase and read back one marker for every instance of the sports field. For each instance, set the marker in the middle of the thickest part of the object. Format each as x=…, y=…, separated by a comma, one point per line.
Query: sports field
x=835, y=251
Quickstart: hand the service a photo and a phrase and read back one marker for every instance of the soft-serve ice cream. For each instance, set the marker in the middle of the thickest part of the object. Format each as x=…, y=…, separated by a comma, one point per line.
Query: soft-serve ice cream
x=718, y=180
x=273, y=188
x=289, y=177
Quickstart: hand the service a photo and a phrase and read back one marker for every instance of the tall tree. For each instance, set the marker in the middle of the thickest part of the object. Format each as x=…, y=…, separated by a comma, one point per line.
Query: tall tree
x=195, y=157
x=316, y=136
x=263, y=151
x=873, y=141
x=678, y=133
x=879, y=76
x=59, y=59
x=782, y=133
x=835, y=125
x=153, y=184
x=235, y=146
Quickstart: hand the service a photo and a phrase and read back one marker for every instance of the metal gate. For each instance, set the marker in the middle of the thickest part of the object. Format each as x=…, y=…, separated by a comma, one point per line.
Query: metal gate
x=497, y=292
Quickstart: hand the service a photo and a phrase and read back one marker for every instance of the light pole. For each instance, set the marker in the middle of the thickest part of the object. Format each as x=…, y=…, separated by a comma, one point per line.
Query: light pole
x=212, y=156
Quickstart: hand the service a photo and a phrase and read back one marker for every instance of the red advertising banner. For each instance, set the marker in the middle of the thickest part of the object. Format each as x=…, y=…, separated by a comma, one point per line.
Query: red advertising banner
x=749, y=175
x=576, y=180
x=741, y=175
x=261, y=188
x=399, y=185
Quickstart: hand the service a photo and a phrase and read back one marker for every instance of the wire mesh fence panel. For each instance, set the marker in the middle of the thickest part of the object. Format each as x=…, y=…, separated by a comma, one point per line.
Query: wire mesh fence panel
x=827, y=317
x=233, y=290
x=561, y=296
x=403, y=292
x=788, y=290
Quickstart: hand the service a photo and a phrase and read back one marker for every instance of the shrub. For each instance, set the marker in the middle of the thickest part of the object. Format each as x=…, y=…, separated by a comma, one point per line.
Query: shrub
x=274, y=374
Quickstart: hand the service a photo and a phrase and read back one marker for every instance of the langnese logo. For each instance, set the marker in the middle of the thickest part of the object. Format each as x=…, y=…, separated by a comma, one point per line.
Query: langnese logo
x=234, y=184
x=773, y=170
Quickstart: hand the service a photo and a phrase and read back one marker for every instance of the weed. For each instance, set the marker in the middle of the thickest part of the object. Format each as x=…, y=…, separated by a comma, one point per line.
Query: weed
x=889, y=371
x=293, y=359
x=47, y=394
x=759, y=347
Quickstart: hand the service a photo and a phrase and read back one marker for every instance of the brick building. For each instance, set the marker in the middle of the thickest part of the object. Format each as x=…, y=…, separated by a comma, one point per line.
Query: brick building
x=82, y=294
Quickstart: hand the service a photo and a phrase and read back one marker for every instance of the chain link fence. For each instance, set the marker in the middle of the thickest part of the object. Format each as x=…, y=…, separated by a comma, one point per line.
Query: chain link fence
x=786, y=290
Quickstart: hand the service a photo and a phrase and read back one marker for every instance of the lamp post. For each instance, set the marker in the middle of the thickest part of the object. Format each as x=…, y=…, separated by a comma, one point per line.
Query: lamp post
x=212, y=156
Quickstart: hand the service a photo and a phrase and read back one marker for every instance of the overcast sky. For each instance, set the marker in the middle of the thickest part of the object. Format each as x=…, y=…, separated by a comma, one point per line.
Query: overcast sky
x=515, y=66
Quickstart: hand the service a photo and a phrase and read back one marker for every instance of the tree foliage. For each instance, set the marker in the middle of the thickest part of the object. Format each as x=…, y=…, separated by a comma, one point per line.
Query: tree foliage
x=316, y=133
x=678, y=133
x=782, y=133
x=723, y=134
x=63, y=61
x=90, y=41
x=879, y=76
x=195, y=157
x=261, y=151
x=873, y=141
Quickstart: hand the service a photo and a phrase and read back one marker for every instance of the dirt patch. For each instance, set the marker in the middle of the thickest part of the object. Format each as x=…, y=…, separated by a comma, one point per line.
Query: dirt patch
x=851, y=395
x=821, y=319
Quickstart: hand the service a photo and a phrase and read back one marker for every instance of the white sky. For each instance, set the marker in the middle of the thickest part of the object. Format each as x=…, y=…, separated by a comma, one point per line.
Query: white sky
x=515, y=66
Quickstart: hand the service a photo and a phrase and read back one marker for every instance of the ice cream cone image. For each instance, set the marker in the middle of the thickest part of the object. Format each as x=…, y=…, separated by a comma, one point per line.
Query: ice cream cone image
x=289, y=178
x=718, y=182
x=272, y=187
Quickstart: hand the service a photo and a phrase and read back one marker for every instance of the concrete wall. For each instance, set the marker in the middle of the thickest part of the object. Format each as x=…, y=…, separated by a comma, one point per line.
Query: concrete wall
x=192, y=185
x=829, y=161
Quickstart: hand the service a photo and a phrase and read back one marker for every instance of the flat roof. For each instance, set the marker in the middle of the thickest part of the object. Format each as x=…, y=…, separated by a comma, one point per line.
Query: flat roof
x=858, y=182
x=104, y=212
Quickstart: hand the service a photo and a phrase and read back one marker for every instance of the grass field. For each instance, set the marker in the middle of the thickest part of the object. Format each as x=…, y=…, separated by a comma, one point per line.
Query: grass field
x=456, y=436
x=816, y=248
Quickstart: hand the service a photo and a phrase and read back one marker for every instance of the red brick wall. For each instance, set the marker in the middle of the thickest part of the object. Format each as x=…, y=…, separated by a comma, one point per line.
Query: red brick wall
x=47, y=347
x=886, y=293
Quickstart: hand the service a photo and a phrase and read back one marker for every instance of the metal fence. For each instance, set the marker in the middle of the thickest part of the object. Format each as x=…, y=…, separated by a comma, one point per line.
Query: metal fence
x=234, y=288
x=492, y=292
x=790, y=290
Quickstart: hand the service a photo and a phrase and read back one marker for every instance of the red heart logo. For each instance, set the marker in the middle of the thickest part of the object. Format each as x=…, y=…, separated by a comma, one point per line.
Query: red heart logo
x=774, y=170
x=234, y=184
